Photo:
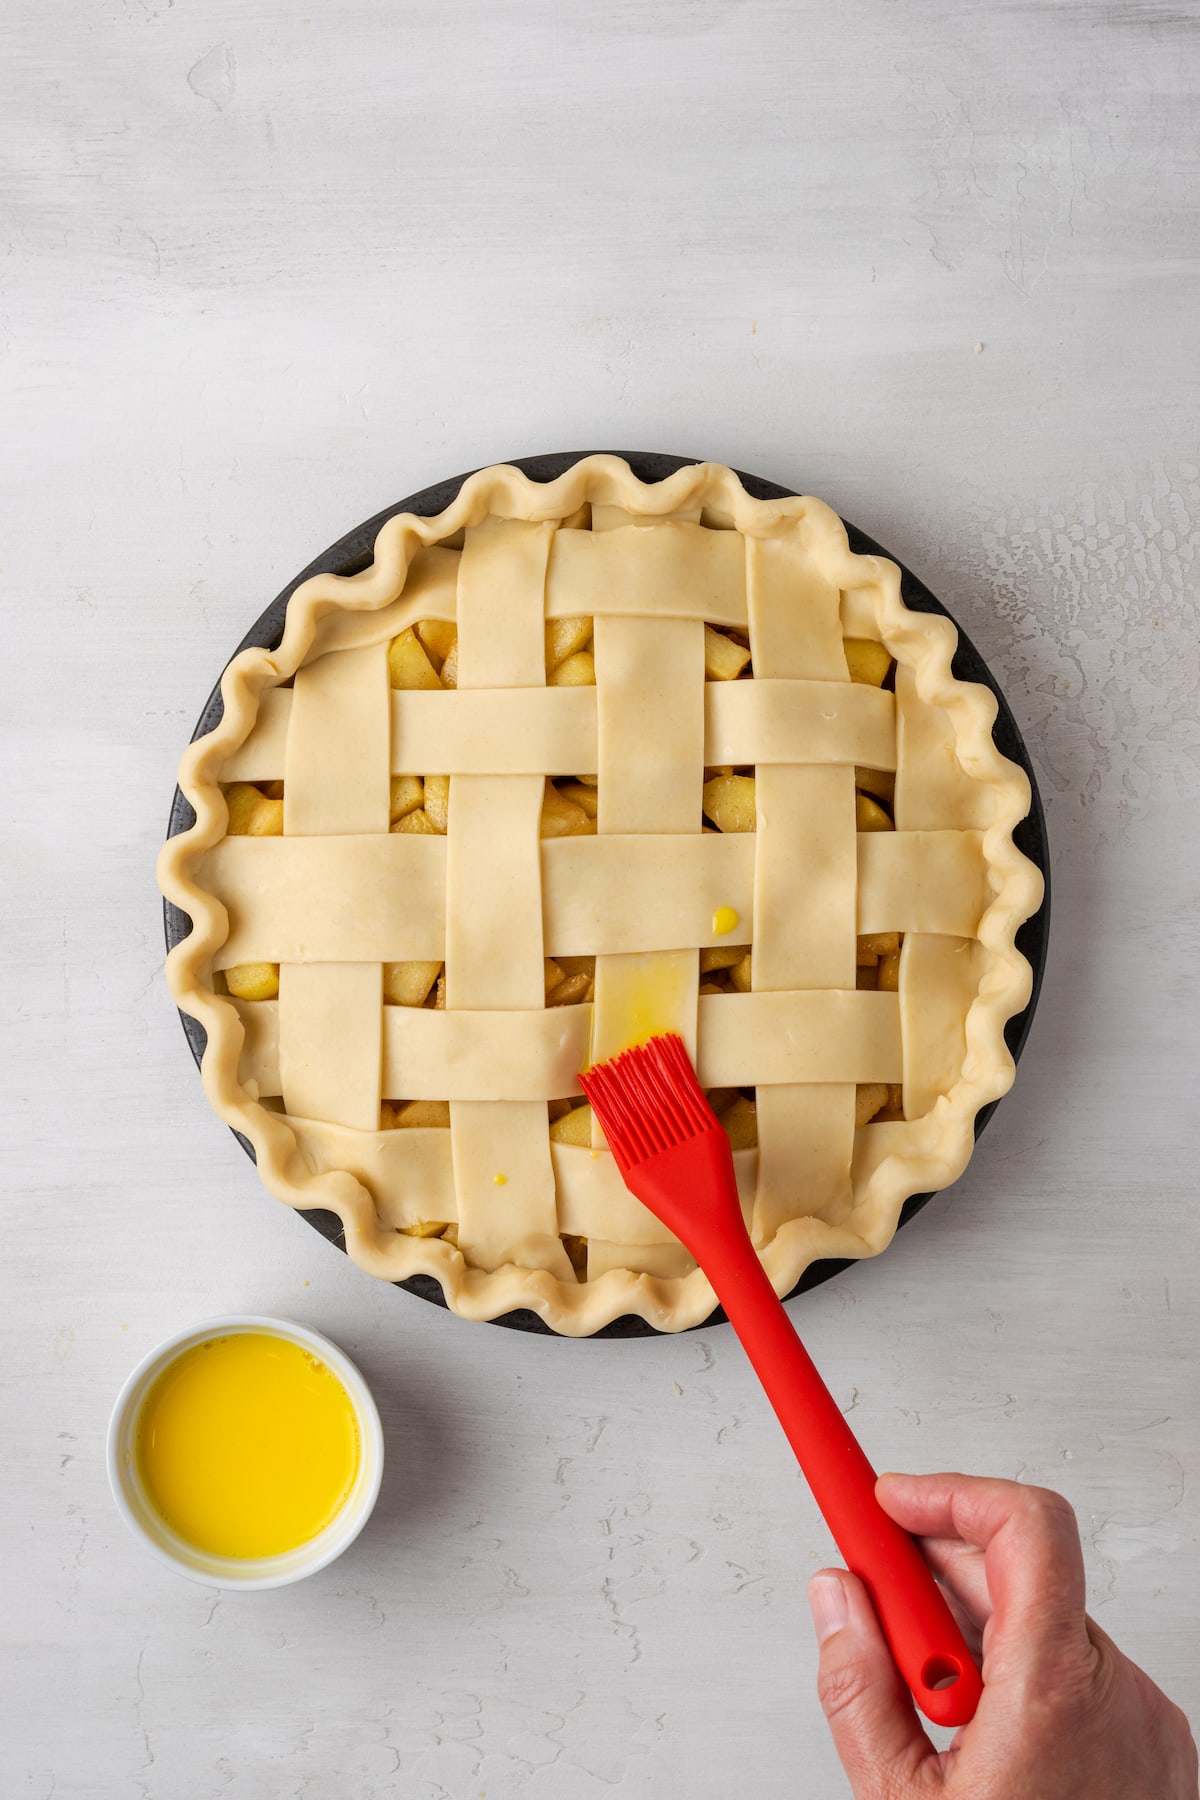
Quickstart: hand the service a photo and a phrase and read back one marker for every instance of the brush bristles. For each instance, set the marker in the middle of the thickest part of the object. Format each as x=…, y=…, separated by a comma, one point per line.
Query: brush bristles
x=648, y=1099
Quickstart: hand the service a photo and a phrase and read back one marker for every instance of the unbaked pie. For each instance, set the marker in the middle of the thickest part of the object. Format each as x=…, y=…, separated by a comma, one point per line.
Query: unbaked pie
x=570, y=762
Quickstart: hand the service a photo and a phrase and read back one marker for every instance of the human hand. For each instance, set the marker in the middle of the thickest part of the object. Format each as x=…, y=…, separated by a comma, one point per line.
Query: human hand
x=1063, y=1714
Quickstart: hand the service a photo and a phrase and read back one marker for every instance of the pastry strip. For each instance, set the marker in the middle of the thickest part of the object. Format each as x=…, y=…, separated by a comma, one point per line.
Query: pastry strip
x=408, y=1174
x=765, y=721
x=455, y=1055
x=650, y=741
x=301, y=900
x=931, y=881
x=615, y=895
x=792, y=608
x=504, y=1182
x=806, y=1145
x=938, y=978
x=595, y=1201
x=317, y=900
x=258, y=1065
x=330, y=1032
x=806, y=874
x=788, y=1037
x=663, y=571
x=335, y=768
x=933, y=790
x=501, y=583
x=501, y=731
x=650, y=723
x=330, y=1012
x=650, y=688
x=494, y=956
x=665, y=1261
x=516, y=732
x=437, y=1056
x=261, y=757
x=506, y=1204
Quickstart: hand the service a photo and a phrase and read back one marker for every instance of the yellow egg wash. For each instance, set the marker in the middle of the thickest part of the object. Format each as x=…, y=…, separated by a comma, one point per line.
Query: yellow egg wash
x=641, y=995
x=248, y=1445
x=725, y=920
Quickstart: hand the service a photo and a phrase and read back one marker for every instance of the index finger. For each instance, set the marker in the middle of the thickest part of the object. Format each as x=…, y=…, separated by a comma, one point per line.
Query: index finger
x=1032, y=1554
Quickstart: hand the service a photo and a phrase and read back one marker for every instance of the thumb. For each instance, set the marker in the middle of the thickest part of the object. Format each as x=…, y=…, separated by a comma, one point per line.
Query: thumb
x=875, y=1727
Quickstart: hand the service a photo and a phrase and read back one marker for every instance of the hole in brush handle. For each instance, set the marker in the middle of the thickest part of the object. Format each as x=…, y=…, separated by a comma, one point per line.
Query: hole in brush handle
x=940, y=1672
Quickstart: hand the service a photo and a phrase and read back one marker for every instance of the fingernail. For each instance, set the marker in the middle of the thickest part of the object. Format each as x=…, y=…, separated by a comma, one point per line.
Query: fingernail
x=827, y=1598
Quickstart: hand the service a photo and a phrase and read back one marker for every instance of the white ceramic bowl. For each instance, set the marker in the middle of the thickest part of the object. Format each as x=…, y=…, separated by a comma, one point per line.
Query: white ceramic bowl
x=247, y=1572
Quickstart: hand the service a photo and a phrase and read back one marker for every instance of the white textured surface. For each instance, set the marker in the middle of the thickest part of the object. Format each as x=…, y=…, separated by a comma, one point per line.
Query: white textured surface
x=264, y=274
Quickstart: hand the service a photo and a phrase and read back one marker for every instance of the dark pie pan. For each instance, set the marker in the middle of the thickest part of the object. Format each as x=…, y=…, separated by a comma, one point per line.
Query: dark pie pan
x=354, y=552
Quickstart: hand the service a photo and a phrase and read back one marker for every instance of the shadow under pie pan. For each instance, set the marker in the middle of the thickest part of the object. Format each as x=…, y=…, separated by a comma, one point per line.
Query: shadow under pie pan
x=354, y=552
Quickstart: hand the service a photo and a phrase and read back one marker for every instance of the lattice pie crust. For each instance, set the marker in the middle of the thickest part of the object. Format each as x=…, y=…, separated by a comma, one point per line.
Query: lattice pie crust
x=338, y=895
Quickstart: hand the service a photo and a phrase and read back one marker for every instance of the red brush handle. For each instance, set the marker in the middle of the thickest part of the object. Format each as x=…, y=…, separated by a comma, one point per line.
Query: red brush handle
x=923, y=1635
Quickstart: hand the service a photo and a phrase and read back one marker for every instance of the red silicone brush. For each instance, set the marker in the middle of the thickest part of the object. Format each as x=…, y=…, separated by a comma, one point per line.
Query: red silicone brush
x=676, y=1158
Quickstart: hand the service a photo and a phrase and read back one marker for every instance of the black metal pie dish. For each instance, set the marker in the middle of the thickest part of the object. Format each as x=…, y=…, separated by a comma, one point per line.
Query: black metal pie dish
x=355, y=551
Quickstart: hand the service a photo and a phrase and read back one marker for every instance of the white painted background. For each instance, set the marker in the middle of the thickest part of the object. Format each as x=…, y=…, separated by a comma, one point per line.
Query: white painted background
x=262, y=273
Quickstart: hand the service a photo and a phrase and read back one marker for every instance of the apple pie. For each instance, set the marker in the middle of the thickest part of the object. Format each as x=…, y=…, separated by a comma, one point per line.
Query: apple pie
x=570, y=763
